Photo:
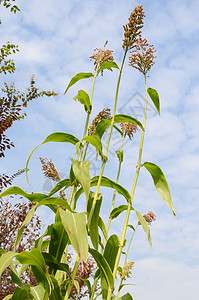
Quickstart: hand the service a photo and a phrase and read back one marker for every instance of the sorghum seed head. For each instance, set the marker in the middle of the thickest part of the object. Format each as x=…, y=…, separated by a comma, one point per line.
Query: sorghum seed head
x=133, y=28
x=129, y=129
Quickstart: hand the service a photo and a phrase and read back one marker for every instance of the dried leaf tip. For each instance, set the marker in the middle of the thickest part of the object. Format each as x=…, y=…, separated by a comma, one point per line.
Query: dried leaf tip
x=142, y=57
x=133, y=28
x=102, y=56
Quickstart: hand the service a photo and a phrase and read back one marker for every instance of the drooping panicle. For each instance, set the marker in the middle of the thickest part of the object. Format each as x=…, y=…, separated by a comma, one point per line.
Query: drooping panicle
x=129, y=129
x=142, y=57
x=133, y=28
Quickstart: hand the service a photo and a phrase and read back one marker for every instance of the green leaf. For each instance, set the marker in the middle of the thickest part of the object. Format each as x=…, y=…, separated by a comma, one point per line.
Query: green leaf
x=111, y=250
x=103, y=266
x=118, y=210
x=37, y=292
x=15, y=277
x=36, y=197
x=21, y=293
x=131, y=226
x=54, y=264
x=36, y=260
x=6, y=260
x=103, y=228
x=75, y=226
x=144, y=225
x=155, y=98
x=76, y=284
x=124, y=297
x=94, y=232
x=82, y=174
x=54, y=201
x=78, y=77
x=84, y=99
x=58, y=242
x=59, y=137
x=110, y=254
x=106, y=182
x=108, y=65
x=105, y=123
x=123, y=284
x=87, y=282
x=8, y=297
x=65, y=183
x=94, y=141
x=119, y=155
x=160, y=183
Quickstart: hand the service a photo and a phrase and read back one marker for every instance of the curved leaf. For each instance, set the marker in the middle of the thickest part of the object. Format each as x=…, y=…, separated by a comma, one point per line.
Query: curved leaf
x=94, y=141
x=37, y=292
x=155, y=98
x=160, y=184
x=51, y=202
x=103, y=266
x=106, y=182
x=75, y=226
x=82, y=174
x=124, y=297
x=118, y=210
x=65, y=183
x=6, y=260
x=36, y=260
x=21, y=293
x=93, y=227
x=15, y=190
x=84, y=99
x=54, y=264
x=105, y=123
x=58, y=137
x=108, y=65
x=78, y=77
x=144, y=225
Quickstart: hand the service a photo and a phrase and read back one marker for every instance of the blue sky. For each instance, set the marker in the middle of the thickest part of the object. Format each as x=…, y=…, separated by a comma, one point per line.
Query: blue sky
x=56, y=39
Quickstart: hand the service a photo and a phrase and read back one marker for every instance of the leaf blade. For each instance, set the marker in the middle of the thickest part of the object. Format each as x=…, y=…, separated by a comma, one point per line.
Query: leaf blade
x=78, y=77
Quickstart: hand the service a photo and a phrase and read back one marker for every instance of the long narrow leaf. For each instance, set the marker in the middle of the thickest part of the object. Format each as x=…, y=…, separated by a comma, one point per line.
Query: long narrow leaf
x=105, y=123
x=82, y=174
x=103, y=266
x=155, y=98
x=160, y=183
x=145, y=225
x=78, y=77
x=75, y=226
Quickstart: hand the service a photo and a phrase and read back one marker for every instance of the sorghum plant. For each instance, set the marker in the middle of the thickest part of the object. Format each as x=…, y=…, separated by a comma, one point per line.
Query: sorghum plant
x=48, y=260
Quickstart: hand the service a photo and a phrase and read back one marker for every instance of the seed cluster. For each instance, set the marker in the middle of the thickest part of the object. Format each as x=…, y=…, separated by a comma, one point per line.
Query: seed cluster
x=49, y=169
x=104, y=114
x=126, y=270
x=129, y=129
x=149, y=217
x=102, y=56
x=133, y=28
x=142, y=57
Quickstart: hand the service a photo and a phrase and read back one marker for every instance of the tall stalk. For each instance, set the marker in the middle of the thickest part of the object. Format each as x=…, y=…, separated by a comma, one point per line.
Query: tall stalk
x=108, y=142
x=104, y=162
x=127, y=252
x=132, y=192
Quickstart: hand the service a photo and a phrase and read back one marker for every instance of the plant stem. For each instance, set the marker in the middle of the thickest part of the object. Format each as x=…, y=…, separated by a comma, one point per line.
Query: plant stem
x=108, y=142
x=132, y=193
x=127, y=252
x=72, y=279
x=114, y=193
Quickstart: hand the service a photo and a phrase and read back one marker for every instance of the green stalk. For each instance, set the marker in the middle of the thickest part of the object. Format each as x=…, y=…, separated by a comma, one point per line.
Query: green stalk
x=108, y=142
x=73, y=187
x=114, y=193
x=132, y=193
x=85, y=131
x=127, y=252
x=72, y=279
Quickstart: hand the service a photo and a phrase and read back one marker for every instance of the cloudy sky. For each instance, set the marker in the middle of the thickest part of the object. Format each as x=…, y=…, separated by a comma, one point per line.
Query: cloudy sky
x=56, y=39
